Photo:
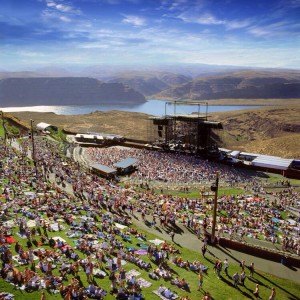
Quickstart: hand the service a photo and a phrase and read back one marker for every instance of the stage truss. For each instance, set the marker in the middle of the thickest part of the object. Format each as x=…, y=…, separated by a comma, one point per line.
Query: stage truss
x=184, y=132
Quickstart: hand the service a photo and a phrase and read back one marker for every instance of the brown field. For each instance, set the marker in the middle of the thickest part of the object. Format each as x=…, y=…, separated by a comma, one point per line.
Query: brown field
x=269, y=130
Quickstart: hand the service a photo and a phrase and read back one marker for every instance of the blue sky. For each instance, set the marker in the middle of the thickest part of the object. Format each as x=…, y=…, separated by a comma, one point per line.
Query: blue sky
x=64, y=33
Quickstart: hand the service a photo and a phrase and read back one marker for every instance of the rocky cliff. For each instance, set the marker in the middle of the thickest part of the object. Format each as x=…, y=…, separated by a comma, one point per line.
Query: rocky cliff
x=150, y=83
x=64, y=91
x=245, y=85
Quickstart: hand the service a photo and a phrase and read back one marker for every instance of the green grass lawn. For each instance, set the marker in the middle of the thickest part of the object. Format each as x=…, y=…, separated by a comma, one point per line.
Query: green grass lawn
x=220, y=289
x=274, y=178
x=230, y=191
x=195, y=194
x=1, y=130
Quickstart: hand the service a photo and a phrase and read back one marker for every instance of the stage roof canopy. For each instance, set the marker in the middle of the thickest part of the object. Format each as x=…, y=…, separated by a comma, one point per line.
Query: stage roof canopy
x=272, y=162
x=103, y=169
x=125, y=163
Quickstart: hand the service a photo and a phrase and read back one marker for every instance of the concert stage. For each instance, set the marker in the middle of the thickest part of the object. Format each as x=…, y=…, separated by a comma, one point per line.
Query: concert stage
x=191, y=133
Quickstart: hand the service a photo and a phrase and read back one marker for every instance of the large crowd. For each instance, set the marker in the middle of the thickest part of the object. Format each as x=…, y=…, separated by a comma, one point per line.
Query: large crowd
x=56, y=193
x=239, y=216
x=166, y=167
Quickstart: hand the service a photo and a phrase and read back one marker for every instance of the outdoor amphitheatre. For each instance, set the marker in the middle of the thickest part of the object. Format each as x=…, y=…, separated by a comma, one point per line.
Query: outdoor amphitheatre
x=67, y=233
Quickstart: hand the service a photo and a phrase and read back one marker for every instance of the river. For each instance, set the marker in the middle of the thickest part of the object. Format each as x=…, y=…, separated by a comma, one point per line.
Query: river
x=151, y=107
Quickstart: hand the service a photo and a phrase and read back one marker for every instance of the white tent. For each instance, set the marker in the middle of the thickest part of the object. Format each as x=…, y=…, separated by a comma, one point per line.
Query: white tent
x=272, y=162
x=43, y=126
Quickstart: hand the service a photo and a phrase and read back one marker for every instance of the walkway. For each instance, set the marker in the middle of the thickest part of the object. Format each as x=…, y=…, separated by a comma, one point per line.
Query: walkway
x=189, y=240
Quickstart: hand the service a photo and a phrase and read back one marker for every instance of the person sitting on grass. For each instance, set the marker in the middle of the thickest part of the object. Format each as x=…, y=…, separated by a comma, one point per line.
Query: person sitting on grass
x=52, y=282
x=153, y=276
x=33, y=283
x=91, y=291
x=168, y=293
x=121, y=294
x=131, y=283
x=175, y=281
x=184, y=285
x=167, y=275
x=207, y=296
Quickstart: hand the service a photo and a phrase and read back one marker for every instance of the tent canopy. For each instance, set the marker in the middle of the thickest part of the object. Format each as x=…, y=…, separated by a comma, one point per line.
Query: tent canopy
x=43, y=126
x=125, y=163
x=103, y=169
x=272, y=162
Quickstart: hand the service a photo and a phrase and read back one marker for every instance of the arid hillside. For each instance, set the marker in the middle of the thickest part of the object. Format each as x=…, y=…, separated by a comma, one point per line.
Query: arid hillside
x=274, y=131
x=246, y=84
x=128, y=124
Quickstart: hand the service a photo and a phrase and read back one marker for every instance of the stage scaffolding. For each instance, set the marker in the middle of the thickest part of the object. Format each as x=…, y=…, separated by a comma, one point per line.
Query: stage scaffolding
x=184, y=132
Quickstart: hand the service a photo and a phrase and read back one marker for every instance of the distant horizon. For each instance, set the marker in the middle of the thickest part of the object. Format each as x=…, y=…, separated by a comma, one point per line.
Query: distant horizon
x=143, y=68
x=37, y=34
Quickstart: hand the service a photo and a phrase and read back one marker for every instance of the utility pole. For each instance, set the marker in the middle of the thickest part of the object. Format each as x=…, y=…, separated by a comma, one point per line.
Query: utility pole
x=214, y=188
x=3, y=125
x=33, y=148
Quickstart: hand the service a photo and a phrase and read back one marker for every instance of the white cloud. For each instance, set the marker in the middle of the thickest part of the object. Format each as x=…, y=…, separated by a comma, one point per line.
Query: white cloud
x=178, y=4
x=237, y=24
x=181, y=5
x=205, y=19
x=291, y=3
x=256, y=57
x=61, y=7
x=59, y=11
x=93, y=46
x=29, y=53
x=113, y=2
x=87, y=40
x=275, y=30
x=134, y=20
x=209, y=19
x=259, y=31
x=65, y=19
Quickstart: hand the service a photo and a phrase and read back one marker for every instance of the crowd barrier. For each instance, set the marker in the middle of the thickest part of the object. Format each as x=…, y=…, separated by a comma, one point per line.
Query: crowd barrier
x=286, y=258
